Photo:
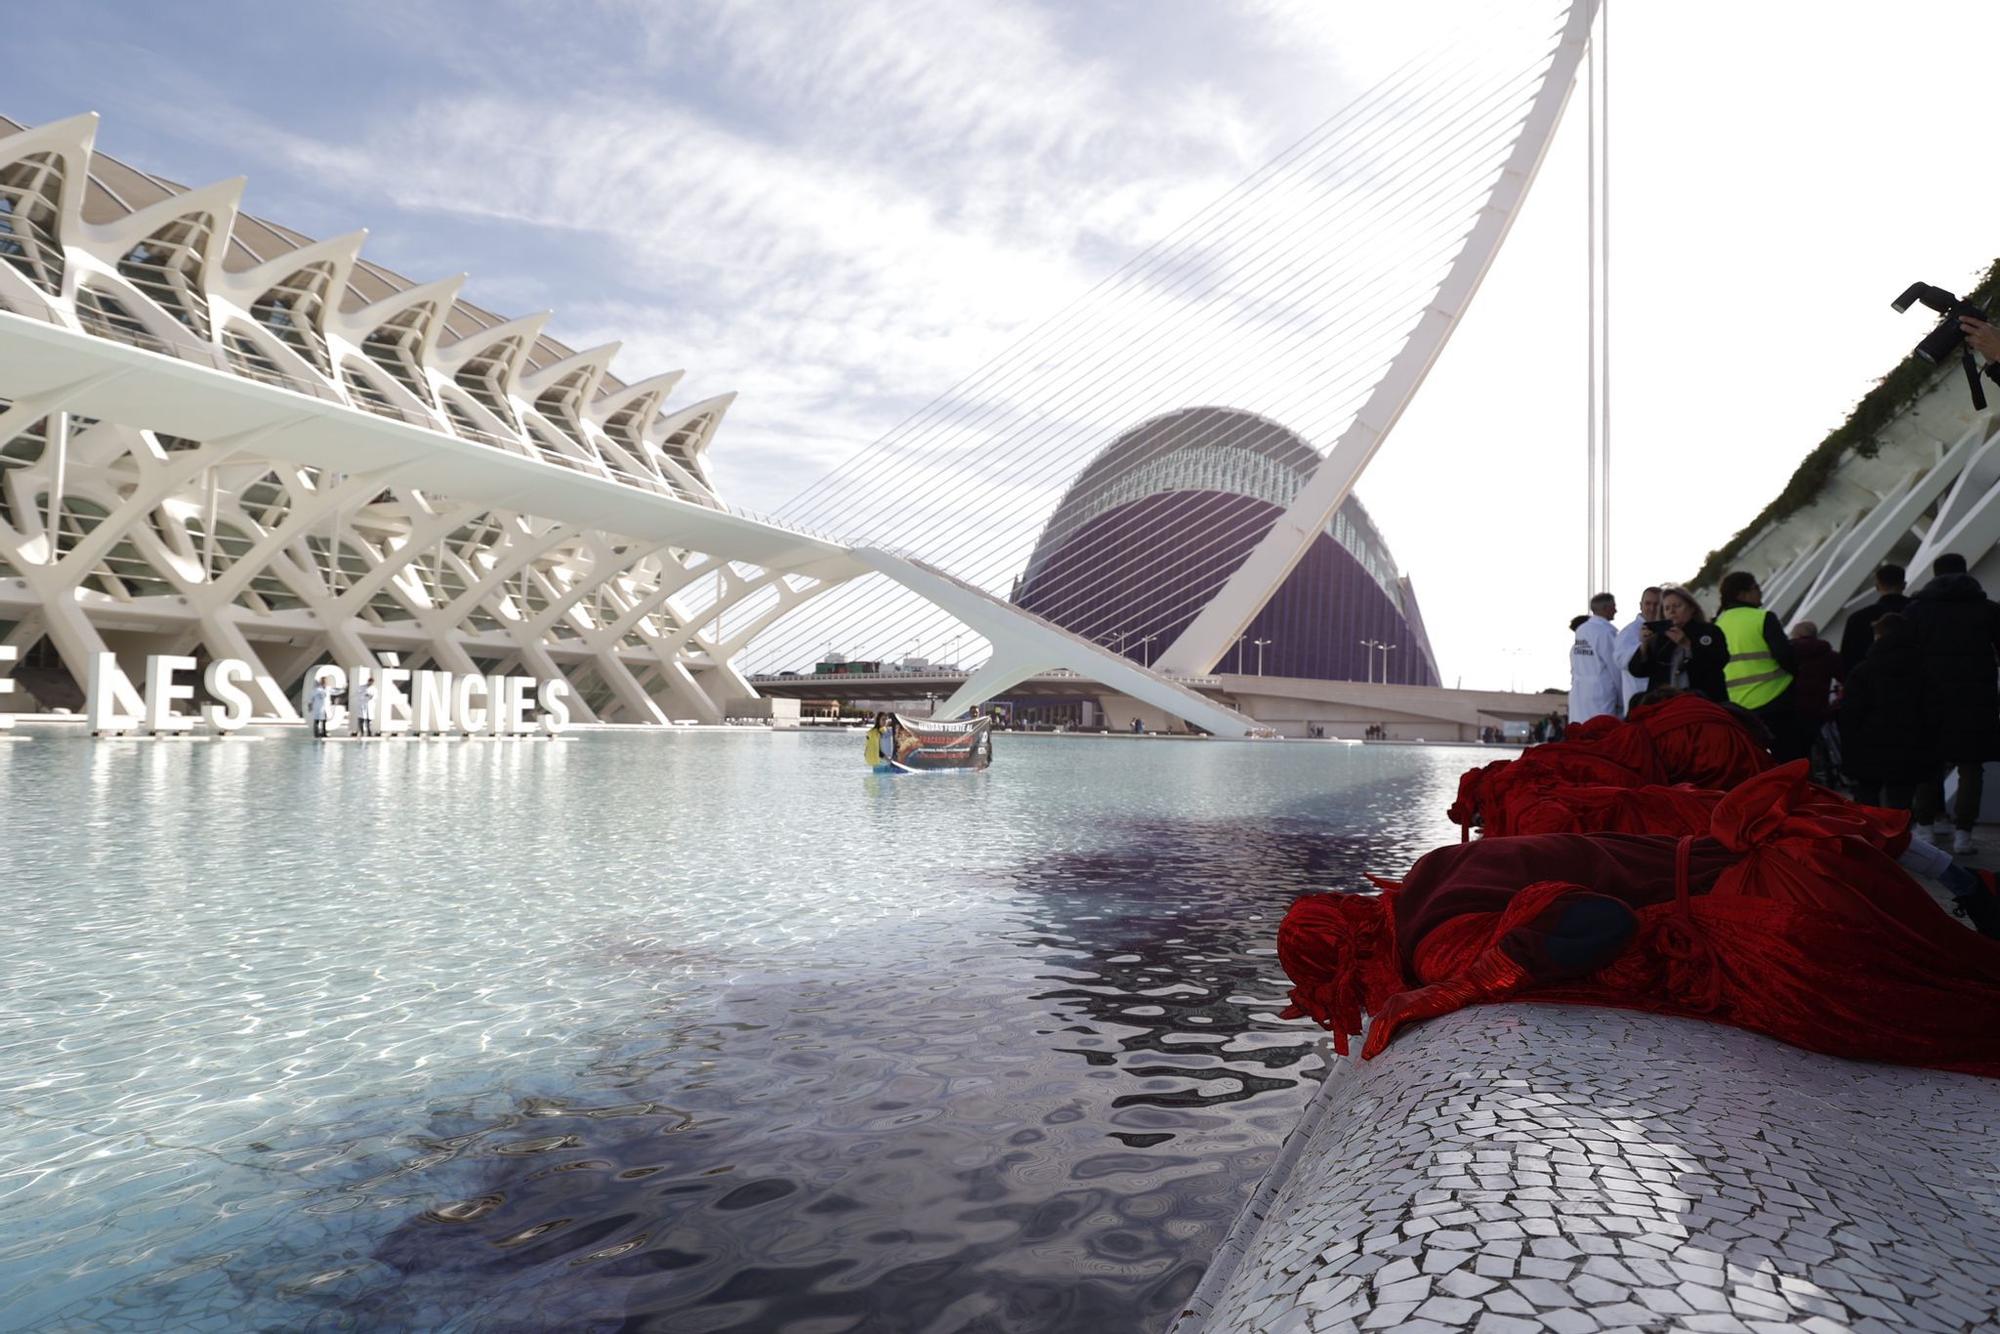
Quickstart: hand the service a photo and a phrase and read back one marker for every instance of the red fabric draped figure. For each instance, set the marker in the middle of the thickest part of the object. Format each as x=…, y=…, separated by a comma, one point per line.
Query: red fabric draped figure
x=1785, y=915
x=1683, y=739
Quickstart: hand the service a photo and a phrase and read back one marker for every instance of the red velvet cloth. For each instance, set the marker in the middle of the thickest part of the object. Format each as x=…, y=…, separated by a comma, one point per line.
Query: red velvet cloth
x=1681, y=809
x=1786, y=917
x=1683, y=740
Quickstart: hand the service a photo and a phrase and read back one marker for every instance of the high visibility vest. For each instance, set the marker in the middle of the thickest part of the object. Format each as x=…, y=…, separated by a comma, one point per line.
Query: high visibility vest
x=1753, y=676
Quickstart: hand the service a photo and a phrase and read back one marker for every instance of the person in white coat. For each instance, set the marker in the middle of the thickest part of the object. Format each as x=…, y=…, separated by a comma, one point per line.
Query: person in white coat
x=1596, y=677
x=1628, y=644
x=361, y=704
x=317, y=704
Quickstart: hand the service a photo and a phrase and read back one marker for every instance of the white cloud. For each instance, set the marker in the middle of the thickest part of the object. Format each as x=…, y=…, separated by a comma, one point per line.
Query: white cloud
x=841, y=209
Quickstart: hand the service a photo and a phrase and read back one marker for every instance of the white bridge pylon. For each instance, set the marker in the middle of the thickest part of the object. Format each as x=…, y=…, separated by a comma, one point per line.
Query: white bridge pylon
x=1228, y=614
x=1025, y=645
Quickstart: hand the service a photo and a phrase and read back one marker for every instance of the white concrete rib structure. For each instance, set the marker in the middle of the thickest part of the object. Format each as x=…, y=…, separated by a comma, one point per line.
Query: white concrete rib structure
x=1930, y=484
x=221, y=438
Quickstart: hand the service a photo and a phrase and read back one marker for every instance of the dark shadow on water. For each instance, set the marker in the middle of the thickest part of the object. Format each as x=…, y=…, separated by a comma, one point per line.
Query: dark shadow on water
x=1049, y=1130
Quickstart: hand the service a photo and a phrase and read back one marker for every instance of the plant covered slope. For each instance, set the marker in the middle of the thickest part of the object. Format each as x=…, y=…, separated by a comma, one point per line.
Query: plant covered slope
x=1877, y=408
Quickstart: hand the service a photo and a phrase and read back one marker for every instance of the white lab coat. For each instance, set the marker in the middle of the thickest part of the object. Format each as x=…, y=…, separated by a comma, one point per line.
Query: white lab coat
x=361, y=703
x=1596, y=678
x=316, y=704
x=1626, y=645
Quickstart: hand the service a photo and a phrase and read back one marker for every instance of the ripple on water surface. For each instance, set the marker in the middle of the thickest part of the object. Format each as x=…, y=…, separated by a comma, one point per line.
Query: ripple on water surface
x=690, y=1032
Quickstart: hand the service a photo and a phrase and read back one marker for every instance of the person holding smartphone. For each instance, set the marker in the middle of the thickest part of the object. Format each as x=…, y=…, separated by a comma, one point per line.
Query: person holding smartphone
x=1683, y=650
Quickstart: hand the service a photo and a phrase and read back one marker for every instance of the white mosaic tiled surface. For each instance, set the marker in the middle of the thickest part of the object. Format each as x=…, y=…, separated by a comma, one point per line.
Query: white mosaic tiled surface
x=1510, y=1169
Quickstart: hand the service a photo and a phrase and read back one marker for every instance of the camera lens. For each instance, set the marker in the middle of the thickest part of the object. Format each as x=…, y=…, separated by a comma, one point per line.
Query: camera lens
x=1942, y=341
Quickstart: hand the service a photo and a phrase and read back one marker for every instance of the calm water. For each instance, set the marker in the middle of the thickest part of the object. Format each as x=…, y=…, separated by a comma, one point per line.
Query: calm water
x=693, y=1032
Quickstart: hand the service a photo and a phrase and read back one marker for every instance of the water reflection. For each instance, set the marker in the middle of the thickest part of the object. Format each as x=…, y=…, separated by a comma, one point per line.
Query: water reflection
x=992, y=1053
x=1051, y=1137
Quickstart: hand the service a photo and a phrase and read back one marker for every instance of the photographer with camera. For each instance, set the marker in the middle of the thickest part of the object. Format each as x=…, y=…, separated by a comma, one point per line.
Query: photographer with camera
x=1965, y=328
x=1682, y=650
x=1985, y=339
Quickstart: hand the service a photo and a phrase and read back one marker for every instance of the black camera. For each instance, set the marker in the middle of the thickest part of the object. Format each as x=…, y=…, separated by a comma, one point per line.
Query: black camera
x=1659, y=627
x=1948, y=337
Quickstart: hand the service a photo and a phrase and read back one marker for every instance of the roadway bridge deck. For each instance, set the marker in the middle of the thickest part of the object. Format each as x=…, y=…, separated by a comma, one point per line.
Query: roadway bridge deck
x=1287, y=704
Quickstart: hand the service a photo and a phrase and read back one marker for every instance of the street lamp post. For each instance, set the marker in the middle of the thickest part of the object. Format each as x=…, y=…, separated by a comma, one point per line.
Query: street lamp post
x=1260, y=654
x=1146, y=653
x=1386, y=650
x=1239, y=653
x=1371, y=646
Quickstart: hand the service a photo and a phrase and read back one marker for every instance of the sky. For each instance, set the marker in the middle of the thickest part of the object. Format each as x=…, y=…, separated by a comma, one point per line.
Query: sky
x=839, y=209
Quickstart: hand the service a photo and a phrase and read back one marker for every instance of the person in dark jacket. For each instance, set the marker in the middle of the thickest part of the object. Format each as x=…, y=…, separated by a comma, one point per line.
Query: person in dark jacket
x=1958, y=639
x=1688, y=654
x=1884, y=745
x=1762, y=667
x=1858, y=639
x=1820, y=669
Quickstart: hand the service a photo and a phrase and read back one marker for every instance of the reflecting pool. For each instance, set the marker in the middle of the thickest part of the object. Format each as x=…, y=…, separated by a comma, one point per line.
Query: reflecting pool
x=694, y=1031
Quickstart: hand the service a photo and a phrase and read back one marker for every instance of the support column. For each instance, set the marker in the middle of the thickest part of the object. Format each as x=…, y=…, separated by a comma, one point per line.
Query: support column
x=535, y=657
x=225, y=639
x=626, y=686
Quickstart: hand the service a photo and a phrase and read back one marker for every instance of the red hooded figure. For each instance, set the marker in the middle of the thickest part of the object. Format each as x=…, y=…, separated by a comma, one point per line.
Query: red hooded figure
x=1786, y=915
x=1683, y=739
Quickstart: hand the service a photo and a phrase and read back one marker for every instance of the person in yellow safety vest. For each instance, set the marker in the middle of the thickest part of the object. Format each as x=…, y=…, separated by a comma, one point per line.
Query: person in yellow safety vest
x=1761, y=665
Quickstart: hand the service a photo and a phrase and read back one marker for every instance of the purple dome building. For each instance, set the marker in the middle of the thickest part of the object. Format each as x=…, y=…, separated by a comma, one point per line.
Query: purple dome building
x=1153, y=527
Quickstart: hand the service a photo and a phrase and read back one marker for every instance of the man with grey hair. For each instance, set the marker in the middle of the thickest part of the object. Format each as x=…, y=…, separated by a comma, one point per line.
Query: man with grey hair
x=1596, y=677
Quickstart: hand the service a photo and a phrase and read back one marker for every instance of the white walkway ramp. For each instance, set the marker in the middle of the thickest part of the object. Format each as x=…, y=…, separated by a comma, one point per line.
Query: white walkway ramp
x=1025, y=645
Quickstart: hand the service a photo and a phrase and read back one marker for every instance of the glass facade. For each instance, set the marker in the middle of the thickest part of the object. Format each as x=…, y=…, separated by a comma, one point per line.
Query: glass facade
x=1156, y=524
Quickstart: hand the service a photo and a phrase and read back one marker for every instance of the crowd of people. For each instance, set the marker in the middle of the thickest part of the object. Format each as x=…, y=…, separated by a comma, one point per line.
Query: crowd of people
x=1909, y=697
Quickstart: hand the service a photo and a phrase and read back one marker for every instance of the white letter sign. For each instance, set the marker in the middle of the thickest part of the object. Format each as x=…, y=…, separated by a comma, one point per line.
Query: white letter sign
x=164, y=689
x=110, y=702
x=224, y=680
x=469, y=719
x=433, y=701
x=551, y=700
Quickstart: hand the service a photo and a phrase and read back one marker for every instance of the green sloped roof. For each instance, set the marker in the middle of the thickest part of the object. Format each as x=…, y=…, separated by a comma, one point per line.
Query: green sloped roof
x=1877, y=408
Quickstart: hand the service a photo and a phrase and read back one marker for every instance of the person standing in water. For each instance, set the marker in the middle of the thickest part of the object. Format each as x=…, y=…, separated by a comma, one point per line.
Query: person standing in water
x=881, y=747
x=316, y=707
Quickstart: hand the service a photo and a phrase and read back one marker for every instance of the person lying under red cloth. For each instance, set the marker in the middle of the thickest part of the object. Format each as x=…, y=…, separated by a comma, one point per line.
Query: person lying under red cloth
x=1677, y=810
x=1681, y=738
x=1786, y=918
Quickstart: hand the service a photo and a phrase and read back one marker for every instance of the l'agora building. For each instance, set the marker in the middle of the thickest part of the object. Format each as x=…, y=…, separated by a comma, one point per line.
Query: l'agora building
x=222, y=439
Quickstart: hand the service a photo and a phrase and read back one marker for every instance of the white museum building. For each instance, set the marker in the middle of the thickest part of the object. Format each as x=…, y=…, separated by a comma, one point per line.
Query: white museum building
x=222, y=439
x=227, y=442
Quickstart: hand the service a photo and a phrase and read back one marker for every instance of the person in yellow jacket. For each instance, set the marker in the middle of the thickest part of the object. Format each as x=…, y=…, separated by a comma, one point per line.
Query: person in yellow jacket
x=879, y=747
x=1762, y=664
